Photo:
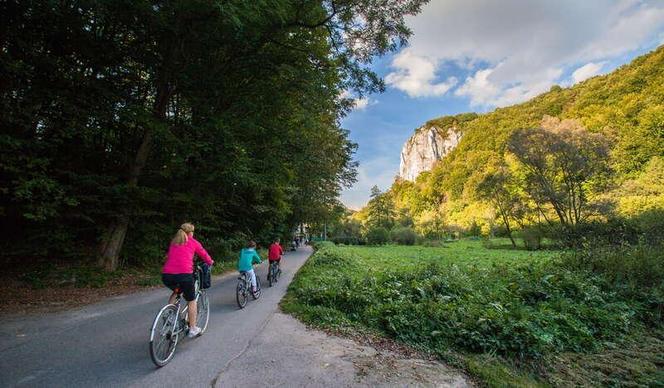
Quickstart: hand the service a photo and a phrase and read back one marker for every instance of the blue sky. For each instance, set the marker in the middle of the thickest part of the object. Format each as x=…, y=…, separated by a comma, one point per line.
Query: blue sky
x=476, y=56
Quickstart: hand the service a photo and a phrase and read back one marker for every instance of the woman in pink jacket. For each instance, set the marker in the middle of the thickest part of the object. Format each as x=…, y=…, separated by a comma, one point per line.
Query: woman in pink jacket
x=178, y=270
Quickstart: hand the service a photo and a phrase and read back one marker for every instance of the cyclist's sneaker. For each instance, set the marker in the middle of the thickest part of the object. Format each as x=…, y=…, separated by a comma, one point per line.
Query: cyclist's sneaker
x=194, y=331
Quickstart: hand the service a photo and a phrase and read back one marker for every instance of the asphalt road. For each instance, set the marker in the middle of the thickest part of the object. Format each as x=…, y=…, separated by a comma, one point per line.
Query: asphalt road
x=106, y=344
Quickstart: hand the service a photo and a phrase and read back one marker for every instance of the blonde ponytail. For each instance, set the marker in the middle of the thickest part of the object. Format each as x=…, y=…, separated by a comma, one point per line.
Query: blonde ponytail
x=181, y=236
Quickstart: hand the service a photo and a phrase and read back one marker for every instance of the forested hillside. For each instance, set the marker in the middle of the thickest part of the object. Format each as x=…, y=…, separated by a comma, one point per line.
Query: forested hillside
x=123, y=119
x=534, y=252
x=568, y=156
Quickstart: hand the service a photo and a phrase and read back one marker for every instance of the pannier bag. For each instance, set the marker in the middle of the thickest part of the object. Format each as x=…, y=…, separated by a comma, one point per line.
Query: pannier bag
x=206, y=276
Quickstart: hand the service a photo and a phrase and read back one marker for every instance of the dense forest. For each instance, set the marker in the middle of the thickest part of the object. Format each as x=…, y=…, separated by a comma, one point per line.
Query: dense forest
x=123, y=119
x=557, y=165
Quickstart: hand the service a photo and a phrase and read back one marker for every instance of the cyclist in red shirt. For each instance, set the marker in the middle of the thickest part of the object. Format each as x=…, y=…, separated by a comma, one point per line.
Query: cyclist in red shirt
x=274, y=254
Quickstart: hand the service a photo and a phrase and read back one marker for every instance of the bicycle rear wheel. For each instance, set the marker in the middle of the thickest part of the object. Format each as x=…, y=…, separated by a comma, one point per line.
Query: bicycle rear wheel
x=162, y=340
x=241, y=294
x=270, y=275
x=203, y=315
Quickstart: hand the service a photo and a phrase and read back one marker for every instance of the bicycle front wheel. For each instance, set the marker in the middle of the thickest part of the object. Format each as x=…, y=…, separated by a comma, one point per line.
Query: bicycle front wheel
x=203, y=315
x=241, y=294
x=162, y=338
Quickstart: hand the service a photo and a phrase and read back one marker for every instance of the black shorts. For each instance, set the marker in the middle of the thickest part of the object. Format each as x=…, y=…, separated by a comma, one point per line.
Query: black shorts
x=182, y=281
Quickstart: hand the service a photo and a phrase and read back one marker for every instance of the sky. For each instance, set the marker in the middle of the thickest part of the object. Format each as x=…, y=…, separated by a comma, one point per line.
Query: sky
x=475, y=56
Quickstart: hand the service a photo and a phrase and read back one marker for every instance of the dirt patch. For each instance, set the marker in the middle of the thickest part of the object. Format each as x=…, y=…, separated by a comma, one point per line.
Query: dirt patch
x=22, y=299
x=287, y=353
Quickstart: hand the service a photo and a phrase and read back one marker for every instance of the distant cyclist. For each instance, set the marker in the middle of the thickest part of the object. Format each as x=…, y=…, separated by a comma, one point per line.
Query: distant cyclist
x=178, y=270
x=249, y=257
x=274, y=253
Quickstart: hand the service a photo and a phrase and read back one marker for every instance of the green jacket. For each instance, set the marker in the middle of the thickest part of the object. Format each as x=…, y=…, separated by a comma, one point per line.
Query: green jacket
x=248, y=256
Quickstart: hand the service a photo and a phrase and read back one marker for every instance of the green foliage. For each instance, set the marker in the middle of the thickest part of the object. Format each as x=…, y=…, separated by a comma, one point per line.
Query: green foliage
x=636, y=273
x=121, y=120
x=560, y=162
x=569, y=155
x=403, y=235
x=532, y=237
x=380, y=210
x=524, y=308
x=378, y=236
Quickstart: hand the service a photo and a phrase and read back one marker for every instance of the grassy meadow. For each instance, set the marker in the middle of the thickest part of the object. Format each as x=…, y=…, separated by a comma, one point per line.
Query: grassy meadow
x=509, y=317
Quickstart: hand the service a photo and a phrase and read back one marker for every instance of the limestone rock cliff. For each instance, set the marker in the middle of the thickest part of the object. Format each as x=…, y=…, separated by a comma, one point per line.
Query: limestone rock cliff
x=428, y=145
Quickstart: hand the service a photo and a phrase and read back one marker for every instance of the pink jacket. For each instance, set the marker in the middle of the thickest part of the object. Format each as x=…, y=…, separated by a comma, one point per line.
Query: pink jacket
x=181, y=257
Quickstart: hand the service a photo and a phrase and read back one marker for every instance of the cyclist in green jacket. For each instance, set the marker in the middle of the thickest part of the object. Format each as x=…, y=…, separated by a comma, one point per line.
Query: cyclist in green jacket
x=249, y=257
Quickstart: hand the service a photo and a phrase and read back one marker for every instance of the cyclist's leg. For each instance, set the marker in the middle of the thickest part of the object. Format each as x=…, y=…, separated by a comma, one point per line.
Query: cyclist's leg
x=172, y=298
x=189, y=293
x=192, y=312
x=170, y=281
x=252, y=275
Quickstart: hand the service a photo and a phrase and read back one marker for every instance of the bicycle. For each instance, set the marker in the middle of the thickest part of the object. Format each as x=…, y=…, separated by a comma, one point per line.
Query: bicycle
x=274, y=272
x=171, y=321
x=243, y=289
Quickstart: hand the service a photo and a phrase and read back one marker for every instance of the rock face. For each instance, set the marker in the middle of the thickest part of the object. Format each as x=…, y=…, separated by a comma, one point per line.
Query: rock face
x=428, y=145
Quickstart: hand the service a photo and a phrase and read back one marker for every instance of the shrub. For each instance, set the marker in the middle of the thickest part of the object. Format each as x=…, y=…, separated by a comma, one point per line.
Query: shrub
x=475, y=230
x=345, y=240
x=611, y=232
x=532, y=237
x=403, y=235
x=525, y=311
x=378, y=236
x=635, y=272
x=650, y=225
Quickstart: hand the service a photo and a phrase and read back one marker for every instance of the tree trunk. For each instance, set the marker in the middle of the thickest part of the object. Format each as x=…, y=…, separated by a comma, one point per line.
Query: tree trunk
x=506, y=222
x=509, y=234
x=112, y=244
x=114, y=237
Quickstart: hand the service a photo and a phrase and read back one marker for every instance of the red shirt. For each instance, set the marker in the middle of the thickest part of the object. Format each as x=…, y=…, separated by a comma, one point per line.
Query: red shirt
x=275, y=252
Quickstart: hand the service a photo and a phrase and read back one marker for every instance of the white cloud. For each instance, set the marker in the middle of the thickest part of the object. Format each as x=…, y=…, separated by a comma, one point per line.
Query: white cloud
x=478, y=88
x=363, y=103
x=377, y=171
x=517, y=49
x=415, y=75
x=359, y=103
x=586, y=71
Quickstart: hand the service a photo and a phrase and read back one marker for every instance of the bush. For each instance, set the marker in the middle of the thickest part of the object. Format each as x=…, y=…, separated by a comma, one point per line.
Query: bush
x=475, y=230
x=403, y=235
x=636, y=273
x=650, y=225
x=345, y=240
x=532, y=237
x=611, y=232
x=378, y=236
x=524, y=311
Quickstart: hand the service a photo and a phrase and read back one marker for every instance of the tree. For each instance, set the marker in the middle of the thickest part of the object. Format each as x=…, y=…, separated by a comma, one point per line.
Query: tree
x=562, y=161
x=380, y=210
x=124, y=119
x=497, y=188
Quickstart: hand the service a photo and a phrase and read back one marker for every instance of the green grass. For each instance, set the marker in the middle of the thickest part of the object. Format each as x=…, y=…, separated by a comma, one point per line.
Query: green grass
x=502, y=314
x=462, y=253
